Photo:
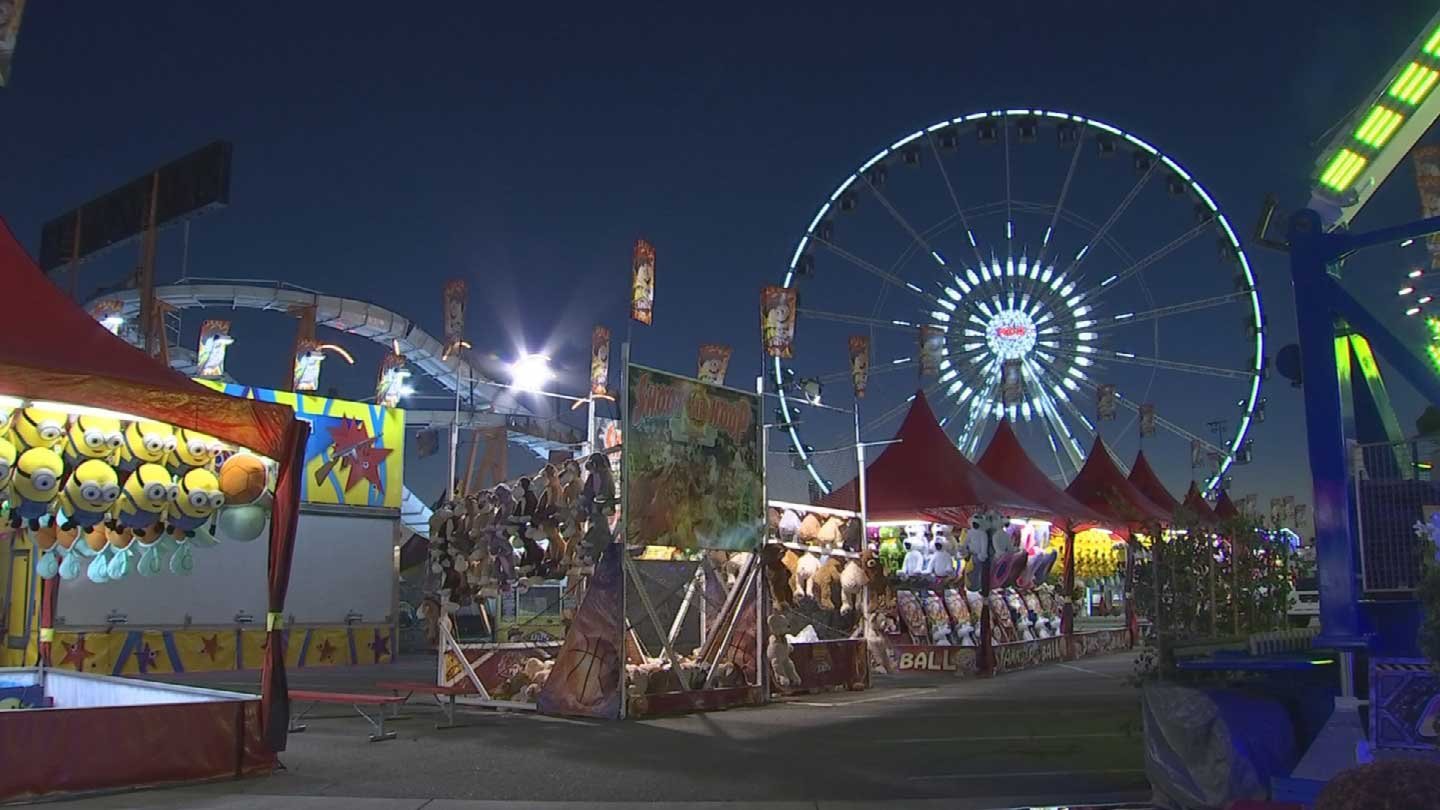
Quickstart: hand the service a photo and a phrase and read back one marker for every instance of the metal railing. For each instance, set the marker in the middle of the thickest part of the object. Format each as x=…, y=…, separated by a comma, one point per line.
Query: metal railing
x=1394, y=486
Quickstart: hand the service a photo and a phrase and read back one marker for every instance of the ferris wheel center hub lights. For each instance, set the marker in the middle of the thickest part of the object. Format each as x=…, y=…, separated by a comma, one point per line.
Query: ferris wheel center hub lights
x=1010, y=334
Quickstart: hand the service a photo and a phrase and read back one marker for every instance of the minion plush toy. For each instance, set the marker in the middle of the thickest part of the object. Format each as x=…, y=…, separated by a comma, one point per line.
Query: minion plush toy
x=146, y=442
x=7, y=463
x=34, y=486
x=93, y=437
x=196, y=498
x=88, y=496
x=144, y=498
x=193, y=450
x=37, y=427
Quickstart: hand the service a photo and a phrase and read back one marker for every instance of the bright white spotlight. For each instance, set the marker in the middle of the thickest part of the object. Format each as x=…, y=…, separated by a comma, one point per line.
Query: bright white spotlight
x=530, y=373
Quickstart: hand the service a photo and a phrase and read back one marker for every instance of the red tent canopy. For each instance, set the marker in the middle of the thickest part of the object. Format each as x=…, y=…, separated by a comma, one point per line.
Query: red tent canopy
x=1006, y=463
x=924, y=477
x=1100, y=486
x=1225, y=508
x=1143, y=476
x=1195, y=502
x=51, y=349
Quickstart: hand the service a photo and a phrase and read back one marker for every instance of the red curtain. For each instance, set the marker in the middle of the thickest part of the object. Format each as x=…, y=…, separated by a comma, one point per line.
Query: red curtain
x=274, y=690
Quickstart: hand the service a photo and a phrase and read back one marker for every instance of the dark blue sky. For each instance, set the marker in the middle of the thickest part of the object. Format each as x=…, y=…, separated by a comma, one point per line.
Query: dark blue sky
x=524, y=147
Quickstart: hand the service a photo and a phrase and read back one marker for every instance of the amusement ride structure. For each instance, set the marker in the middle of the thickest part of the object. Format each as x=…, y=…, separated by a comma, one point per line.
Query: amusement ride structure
x=1058, y=250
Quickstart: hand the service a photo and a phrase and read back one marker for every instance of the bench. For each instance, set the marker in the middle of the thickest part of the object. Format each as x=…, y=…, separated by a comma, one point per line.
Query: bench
x=355, y=700
x=444, y=696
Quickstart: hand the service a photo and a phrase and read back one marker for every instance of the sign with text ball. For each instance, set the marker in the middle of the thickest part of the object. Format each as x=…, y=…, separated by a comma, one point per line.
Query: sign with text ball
x=694, y=475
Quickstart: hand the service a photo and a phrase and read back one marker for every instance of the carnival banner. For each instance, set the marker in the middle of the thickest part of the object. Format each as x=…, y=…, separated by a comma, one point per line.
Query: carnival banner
x=693, y=470
x=714, y=362
x=454, y=299
x=859, y=363
x=932, y=350
x=308, y=358
x=1105, y=402
x=1197, y=453
x=777, y=320
x=1427, y=182
x=588, y=677
x=600, y=362
x=1147, y=419
x=10, y=13
x=214, y=341
x=390, y=385
x=1012, y=387
x=108, y=313
x=356, y=452
x=642, y=282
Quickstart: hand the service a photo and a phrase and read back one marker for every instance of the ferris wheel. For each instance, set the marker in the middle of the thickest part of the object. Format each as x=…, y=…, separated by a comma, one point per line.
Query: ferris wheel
x=1053, y=270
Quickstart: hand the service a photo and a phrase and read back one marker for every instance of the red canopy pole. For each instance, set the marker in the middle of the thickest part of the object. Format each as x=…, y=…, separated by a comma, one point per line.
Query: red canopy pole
x=1132, y=621
x=49, y=596
x=274, y=690
x=1067, y=609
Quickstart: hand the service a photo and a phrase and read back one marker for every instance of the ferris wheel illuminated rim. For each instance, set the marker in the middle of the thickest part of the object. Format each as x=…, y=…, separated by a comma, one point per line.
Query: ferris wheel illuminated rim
x=1037, y=311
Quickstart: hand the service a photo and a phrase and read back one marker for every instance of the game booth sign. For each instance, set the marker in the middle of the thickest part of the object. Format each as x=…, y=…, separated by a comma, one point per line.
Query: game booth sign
x=93, y=379
x=956, y=558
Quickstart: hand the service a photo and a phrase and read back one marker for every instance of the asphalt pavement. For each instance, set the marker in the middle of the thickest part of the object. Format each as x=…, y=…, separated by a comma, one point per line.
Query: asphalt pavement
x=1059, y=734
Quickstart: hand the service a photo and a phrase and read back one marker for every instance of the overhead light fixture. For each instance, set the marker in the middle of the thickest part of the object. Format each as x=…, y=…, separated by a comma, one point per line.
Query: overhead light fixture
x=1416, y=273
x=1405, y=291
x=1407, y=243
x=530, y=373
x=1413, y=311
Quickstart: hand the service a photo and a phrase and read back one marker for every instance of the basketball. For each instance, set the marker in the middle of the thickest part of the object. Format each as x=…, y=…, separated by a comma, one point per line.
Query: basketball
x=242, y=479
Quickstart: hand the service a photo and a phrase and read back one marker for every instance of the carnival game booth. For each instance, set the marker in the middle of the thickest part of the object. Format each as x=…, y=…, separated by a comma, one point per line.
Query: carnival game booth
x=1082, y=535
x=931, y=600
x=58, y=365
x=1104, y=489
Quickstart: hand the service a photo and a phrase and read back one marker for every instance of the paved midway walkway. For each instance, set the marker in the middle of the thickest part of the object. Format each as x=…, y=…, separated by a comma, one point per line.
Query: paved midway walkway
x=1060, y=734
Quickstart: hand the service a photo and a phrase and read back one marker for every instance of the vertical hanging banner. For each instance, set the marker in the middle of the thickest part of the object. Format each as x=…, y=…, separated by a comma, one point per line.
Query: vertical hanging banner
x=214, y=341
x=777, y=320
x=1427, y=182
x=932, y=349
x=390, y=384
x=1105, y=402
x=1277, y=512
x=713, y=362
x=1197, y=453
x=10, y=14
x=1250, y=504
x=454, y=299
x=693, y=468
x=1012, y=385
x=859, y=363
x=1147, y=419
x=307, y=366
x=642, y=282
x=1302, y=514
x=600, y=362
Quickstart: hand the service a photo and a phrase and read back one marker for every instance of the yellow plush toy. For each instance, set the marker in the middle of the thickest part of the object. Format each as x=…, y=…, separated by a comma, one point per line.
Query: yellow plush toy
x=37, y=427
x=34, y=486
x=196, y=499
x=146, y=442
x=193, y=450
x=93, y=437
x=145, y=497
x=92, y=489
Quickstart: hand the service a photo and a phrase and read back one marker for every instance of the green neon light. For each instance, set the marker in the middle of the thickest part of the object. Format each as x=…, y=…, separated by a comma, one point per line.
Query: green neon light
x=1432, y=45
x=1378, y=126
x=1432, y=349
x=1413, y=84
x=1343, y=169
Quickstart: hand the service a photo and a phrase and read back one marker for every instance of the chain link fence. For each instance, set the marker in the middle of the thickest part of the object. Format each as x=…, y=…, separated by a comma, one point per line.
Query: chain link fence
x=1395, y=486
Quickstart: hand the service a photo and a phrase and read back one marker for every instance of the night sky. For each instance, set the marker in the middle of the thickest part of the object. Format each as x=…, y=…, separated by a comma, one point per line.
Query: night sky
x=525, y=147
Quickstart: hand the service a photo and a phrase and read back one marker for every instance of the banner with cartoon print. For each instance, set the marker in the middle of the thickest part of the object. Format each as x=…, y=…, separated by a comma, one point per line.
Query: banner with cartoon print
x=600, y=362
x=714, y=361
x=694, y=475
x=214, y=341
x=642, y=282
x=777, y=320
x=859, y=363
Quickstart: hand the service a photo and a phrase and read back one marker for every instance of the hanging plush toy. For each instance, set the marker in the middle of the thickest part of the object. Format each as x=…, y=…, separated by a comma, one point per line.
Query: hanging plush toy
x=145, y=498
x=196, y=498
x=93, y=437
x=193, y=450
x=146, y=442
x=37, y=427
x=7, y=463
x=915, y=561
x=34, y=486
x=89, y=494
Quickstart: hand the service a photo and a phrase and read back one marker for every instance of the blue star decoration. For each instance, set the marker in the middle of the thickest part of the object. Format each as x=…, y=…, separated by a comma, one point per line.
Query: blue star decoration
x=145, y=658
x=380, y=646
